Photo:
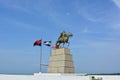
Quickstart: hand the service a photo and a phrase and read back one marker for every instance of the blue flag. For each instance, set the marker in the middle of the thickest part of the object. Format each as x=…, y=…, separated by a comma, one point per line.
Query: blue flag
x=47, y=43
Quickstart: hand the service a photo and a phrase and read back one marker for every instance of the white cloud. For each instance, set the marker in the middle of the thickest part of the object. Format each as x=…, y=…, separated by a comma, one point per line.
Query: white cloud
x=85, y=30
x=116, y=26
x=31, y=7
x=87, y=15
x=22, y=25
x=117, y=3
x=88, y=31
x=18, y=5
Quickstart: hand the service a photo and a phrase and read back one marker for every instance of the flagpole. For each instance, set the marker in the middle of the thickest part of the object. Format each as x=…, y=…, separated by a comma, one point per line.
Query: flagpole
x=51, y=49
x=41, y=57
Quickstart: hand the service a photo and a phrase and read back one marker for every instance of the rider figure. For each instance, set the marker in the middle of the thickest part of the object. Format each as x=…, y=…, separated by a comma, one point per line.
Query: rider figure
x=63, y=34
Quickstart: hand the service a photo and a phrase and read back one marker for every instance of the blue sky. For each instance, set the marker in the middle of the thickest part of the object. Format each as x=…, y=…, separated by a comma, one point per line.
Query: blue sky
x=95, y=25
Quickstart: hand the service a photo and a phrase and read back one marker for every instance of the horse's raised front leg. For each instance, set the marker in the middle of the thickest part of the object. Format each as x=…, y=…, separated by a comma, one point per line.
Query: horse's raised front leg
x=63, y=44
x=68, y=43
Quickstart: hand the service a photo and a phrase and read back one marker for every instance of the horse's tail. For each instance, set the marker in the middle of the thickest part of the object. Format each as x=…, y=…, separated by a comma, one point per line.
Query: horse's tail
x=57, y=44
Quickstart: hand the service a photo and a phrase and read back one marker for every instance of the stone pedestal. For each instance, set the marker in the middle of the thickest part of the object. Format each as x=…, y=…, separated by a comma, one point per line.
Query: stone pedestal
x=61, y=61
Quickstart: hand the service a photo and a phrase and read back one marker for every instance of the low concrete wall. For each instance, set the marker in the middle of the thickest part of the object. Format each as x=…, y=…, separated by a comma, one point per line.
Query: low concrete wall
x=43, y=76
x=39, y=76
x=60, y=77
x=16, y=77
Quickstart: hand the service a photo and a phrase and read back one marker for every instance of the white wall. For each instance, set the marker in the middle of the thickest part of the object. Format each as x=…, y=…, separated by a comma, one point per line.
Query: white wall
x=60, y=77
x=16, y=77
x=39, y=76
x=43, y=77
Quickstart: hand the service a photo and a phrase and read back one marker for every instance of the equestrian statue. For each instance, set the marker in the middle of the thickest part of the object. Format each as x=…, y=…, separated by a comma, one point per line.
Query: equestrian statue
x=63, y=38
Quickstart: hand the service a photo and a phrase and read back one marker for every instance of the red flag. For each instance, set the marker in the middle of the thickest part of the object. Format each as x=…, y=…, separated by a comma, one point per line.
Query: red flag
x=37, y=43
x=55, y=47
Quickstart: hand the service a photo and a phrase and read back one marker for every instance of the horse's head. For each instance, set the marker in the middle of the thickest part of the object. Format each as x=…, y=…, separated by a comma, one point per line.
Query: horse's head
x=69, y=34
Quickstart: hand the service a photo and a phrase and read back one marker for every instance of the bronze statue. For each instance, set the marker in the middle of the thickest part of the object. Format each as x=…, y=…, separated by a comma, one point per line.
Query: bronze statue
x=63, y=38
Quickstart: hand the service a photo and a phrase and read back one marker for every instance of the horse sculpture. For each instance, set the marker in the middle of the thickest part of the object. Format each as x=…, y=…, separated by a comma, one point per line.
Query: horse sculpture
x=63, y=38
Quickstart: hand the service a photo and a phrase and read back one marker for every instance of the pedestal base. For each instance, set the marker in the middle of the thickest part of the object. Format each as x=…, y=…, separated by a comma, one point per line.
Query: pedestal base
x=61, y=61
